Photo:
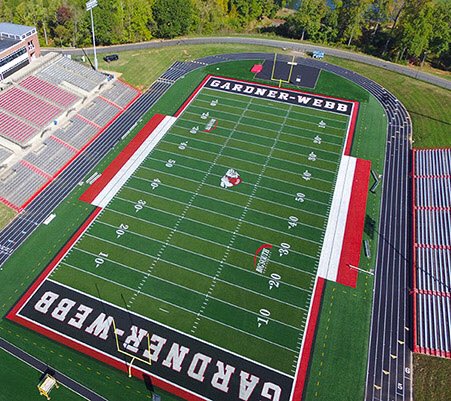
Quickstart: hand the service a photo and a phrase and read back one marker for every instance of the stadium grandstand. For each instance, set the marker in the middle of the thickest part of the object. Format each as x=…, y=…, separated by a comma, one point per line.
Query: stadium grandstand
x=51, y=108
x=432, y=251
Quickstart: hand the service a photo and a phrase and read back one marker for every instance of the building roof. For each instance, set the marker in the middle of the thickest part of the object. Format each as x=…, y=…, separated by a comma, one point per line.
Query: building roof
x=6, y=43
x=15, y=29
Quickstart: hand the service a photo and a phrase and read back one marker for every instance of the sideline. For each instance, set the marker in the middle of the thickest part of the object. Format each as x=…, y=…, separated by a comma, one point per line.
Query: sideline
x=42, y=367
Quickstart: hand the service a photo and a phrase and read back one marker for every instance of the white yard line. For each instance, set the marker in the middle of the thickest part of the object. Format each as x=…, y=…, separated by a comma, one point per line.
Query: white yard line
x=178, y=307
x=110, y=260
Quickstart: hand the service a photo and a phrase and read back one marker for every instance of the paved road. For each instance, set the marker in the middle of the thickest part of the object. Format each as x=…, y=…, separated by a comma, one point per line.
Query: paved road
x=389, y=363
x=281, y=44
x=42, y=367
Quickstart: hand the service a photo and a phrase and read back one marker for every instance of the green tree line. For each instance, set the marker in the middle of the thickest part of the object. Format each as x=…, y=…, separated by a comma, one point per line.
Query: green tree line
x=66, y=22
x=393, y=29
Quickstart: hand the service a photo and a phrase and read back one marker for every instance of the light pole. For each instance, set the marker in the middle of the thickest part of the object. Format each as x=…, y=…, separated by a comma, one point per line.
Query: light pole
x=89, y=6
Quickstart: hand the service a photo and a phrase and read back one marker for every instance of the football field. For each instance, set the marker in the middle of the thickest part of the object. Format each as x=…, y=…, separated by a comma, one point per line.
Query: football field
x=217, y=234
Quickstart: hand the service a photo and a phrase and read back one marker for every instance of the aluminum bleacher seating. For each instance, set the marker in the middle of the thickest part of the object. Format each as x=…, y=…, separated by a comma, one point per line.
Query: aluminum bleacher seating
x=49, y=91
x=28, y=107
x=432, y=286
x=51, y=156
x=120, y=93
x=20, y=184
x=99, y=111
x=72, y=72
x=77, y=133
x=15, y=130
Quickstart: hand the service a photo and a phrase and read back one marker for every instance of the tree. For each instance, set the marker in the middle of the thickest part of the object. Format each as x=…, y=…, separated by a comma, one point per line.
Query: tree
x=351, y=18
x=172, y=17
x=309, y=17
x=415, y=27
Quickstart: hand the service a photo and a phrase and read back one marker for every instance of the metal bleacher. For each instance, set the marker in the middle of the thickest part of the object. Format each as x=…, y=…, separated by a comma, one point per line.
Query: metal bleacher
x=99, y=111
x=65, y=70
x=51, y=156
x=77, y=133
x=4, y=154
x=49, y=91
x=20, y=184
x=16, y=130
x=120, y=94
x=432, y=247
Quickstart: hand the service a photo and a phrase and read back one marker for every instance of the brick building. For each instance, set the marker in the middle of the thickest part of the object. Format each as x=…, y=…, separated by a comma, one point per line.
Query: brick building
x=19, y=45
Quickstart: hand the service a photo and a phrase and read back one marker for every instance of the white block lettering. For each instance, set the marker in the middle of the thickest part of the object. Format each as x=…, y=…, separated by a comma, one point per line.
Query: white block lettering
x=271, y=391
x=80, y=317
x=222, y=377
x=198, y=366
x=63, y=308
x=304, y=99
x=175, y=357
x=342, y=107
x=329, y=105
x=132, y=342
x=100, y=326
x=247, y=385
x=46, y=302
x=156, y=345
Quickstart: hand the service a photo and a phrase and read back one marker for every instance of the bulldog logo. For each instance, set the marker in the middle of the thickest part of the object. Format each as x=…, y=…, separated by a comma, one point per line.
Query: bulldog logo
x=230, y=179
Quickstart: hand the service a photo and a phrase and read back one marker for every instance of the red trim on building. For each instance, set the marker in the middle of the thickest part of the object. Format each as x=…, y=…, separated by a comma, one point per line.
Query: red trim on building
x=91, y=193
x=355, y=223
x=301, y=373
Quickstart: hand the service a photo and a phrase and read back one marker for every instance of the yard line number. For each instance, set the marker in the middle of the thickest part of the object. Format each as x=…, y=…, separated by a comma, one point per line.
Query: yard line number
x=121, y=230
x=263, y=319
x=140, y=205
x=100, y=260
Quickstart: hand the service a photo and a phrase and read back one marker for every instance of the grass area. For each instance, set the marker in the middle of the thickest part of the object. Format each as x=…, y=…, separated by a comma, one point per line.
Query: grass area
x=142, y=67
x=6, y=215
x=431, y=378
x=22, y=380
x=428, y=105
x=189, y=219
x=36, y=253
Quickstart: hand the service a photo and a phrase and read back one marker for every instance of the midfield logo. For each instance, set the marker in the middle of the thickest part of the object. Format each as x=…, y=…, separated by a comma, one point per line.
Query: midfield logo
x=230, y=179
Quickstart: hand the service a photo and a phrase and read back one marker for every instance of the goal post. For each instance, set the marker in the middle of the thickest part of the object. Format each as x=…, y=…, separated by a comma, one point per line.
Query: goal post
x=46, y=385
x=131, y=356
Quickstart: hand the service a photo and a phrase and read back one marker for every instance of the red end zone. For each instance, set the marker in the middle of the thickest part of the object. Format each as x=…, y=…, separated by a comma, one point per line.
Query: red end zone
x=355, y=223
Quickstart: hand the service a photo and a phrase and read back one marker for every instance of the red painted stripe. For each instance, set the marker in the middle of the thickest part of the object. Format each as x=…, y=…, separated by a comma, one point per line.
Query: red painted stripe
x=191, y=97
x=88, y=121
x=431, y=292
x=355, y=223
x=65, y=144
x=301, y=373
x=10, y=204
x=414, y=257
x=434, y=351
x=110, y=102
x=90, y=194
x=35, y=169
x=351, y=131
x=433, y=208
x=445, y=176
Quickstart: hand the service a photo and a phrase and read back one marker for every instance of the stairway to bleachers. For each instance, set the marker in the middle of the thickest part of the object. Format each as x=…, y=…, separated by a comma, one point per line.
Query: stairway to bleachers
x=51, y=156
x=120, y=93
x=77, y=133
